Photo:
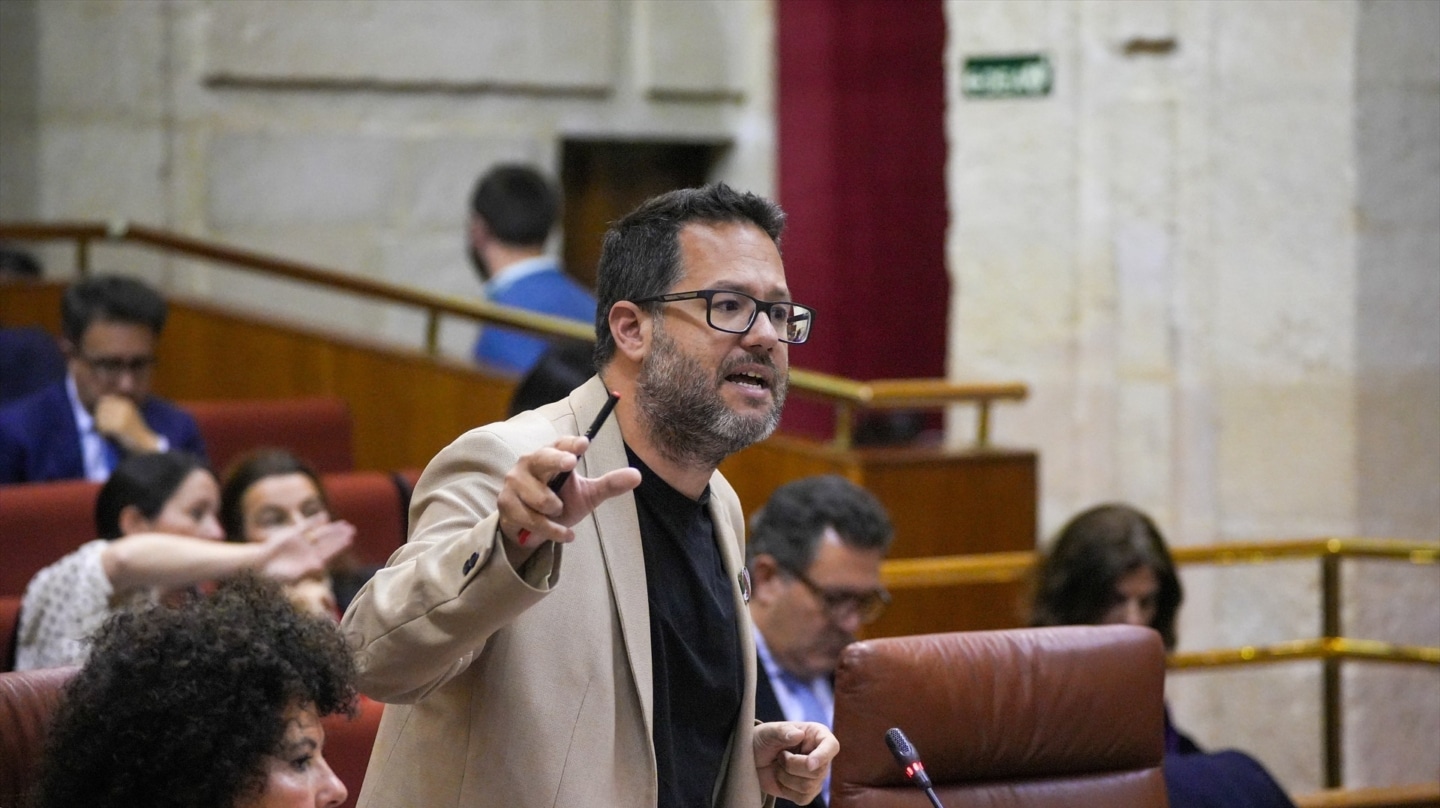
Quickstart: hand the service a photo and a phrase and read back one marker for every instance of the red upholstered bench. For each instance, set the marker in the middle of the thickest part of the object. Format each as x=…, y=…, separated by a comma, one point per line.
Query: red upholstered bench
x=39, y=523
x=9, y=627
x=373, y=502
x=318, y=429
x=348, y=743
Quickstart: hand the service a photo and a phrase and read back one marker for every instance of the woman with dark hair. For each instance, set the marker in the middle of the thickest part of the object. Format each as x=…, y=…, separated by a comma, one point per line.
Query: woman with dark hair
x=156, y=518
x=1110, y=565
x=215, y=703
x=270, y=491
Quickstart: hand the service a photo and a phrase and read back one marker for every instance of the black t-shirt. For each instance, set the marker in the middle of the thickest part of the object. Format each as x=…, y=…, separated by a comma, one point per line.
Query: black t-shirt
x=694, y=643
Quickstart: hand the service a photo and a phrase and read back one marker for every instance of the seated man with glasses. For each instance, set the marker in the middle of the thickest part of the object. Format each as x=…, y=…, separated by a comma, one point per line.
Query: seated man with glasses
x=81, y=427
x=814, y=559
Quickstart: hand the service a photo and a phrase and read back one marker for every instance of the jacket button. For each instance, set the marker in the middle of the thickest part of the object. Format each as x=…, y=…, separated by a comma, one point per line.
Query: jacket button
x=470, y=563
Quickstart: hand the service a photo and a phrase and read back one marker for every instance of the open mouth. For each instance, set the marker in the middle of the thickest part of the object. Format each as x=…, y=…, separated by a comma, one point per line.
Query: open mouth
x=753, y=381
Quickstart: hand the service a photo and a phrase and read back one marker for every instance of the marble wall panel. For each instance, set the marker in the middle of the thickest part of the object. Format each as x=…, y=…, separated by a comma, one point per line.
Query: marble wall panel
x=555, y=45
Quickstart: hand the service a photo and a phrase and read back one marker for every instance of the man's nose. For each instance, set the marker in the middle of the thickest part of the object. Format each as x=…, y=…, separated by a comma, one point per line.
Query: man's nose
x=127, y=381
x=762, y=332
x=1134, y=615
x=849, y=622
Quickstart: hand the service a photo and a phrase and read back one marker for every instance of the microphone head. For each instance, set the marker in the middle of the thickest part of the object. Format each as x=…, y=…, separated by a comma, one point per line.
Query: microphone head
x=900, y=745
x=908, y=757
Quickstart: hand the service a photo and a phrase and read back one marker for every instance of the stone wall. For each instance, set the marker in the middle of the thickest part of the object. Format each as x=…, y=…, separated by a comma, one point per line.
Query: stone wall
x=1212, y=253
x=1216, y=262
x=349, y=133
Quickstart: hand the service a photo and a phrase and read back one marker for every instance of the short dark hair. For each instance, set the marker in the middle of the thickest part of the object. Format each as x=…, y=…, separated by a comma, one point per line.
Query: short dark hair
x=251, y=468
x=146, y=481
x=1076, y=581
x=181, y=705
x=15, y=262
x=517, y=203
x=640, y=256
x=110, y=297
x=791, y=524
x=564, y=366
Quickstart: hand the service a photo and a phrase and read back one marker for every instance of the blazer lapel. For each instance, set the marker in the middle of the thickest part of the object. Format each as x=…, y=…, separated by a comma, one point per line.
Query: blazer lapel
x=618, y=526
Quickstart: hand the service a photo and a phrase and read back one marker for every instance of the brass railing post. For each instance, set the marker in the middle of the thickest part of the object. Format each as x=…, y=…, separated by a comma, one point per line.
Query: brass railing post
x=982, y=423
x=1330, y=629
x=844, y=425
x=82, y=256
x=432, y=332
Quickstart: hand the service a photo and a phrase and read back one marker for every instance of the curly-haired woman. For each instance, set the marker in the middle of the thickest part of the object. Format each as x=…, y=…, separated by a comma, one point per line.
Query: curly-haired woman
x=215, y=703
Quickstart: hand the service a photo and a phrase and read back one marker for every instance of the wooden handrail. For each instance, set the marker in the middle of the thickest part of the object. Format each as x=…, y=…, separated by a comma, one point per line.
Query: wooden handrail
x=1418, y=795
x=847, y=395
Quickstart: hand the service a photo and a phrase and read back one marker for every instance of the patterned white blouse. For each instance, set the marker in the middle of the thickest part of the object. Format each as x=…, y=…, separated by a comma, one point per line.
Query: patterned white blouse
x=64, y=605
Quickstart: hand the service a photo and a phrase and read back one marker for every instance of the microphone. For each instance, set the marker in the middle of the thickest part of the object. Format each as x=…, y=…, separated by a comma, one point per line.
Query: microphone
x=909, y=759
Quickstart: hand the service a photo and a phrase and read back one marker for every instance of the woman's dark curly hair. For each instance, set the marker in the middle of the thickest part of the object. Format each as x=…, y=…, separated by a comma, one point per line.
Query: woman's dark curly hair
x=181, y=705
x=1076, y=583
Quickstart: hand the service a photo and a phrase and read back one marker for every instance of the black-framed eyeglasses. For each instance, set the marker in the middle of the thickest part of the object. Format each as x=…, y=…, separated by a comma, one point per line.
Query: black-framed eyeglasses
x=113, y=367
x=840, y=604
x=734, y=312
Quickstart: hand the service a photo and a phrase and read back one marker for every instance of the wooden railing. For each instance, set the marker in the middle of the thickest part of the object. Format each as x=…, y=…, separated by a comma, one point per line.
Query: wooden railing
x=1331, y=648
x=847, y=395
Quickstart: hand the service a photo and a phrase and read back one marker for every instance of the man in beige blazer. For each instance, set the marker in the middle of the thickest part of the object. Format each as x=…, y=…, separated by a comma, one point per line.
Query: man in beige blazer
x=514, y=636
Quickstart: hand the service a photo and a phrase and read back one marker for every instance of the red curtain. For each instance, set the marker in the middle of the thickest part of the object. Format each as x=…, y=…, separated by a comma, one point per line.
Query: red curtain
x=861, y=116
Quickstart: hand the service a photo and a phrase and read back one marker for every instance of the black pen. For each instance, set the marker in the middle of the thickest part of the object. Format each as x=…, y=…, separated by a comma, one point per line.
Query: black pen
x=558, y=481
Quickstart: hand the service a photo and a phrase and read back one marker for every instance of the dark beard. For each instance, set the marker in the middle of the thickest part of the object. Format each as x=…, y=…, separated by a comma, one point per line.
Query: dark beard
x=680, y=403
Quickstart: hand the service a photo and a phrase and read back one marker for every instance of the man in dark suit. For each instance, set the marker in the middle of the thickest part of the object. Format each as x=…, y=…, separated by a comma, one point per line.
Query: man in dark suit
x=80, y=427
x=814, y=560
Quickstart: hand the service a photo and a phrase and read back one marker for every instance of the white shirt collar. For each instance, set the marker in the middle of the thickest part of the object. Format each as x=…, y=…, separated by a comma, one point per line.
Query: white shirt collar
x=515, y=272
x=92, y=443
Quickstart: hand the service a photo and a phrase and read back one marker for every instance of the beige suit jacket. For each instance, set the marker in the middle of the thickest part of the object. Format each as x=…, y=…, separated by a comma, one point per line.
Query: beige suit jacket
x=526, y=690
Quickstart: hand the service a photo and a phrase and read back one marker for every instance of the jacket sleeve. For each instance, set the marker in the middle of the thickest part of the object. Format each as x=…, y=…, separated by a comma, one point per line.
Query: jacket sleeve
x=422, y=619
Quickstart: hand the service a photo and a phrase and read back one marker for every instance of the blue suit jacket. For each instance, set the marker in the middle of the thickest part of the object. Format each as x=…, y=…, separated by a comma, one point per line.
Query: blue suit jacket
x=29, y=360
x=549, y=291
x=39, y=440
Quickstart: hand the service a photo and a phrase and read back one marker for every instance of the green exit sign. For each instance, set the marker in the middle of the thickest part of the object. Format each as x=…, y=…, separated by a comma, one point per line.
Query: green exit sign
x=1006, y=76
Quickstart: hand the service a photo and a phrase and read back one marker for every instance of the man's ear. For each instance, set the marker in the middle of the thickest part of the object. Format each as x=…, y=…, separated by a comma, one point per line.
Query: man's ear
x=478, y=231
x=133, y=521
x=630, y=326
x=765, y=574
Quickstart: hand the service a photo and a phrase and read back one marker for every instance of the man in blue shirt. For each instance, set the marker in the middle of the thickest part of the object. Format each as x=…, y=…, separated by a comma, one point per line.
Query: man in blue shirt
x=512, y=212
x=80, y=427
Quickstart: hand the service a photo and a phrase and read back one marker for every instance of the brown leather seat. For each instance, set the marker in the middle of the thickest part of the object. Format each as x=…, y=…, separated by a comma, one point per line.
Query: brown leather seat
x=27, y=701
x=1025, y=718
x=39, y=523
x=318, y=429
